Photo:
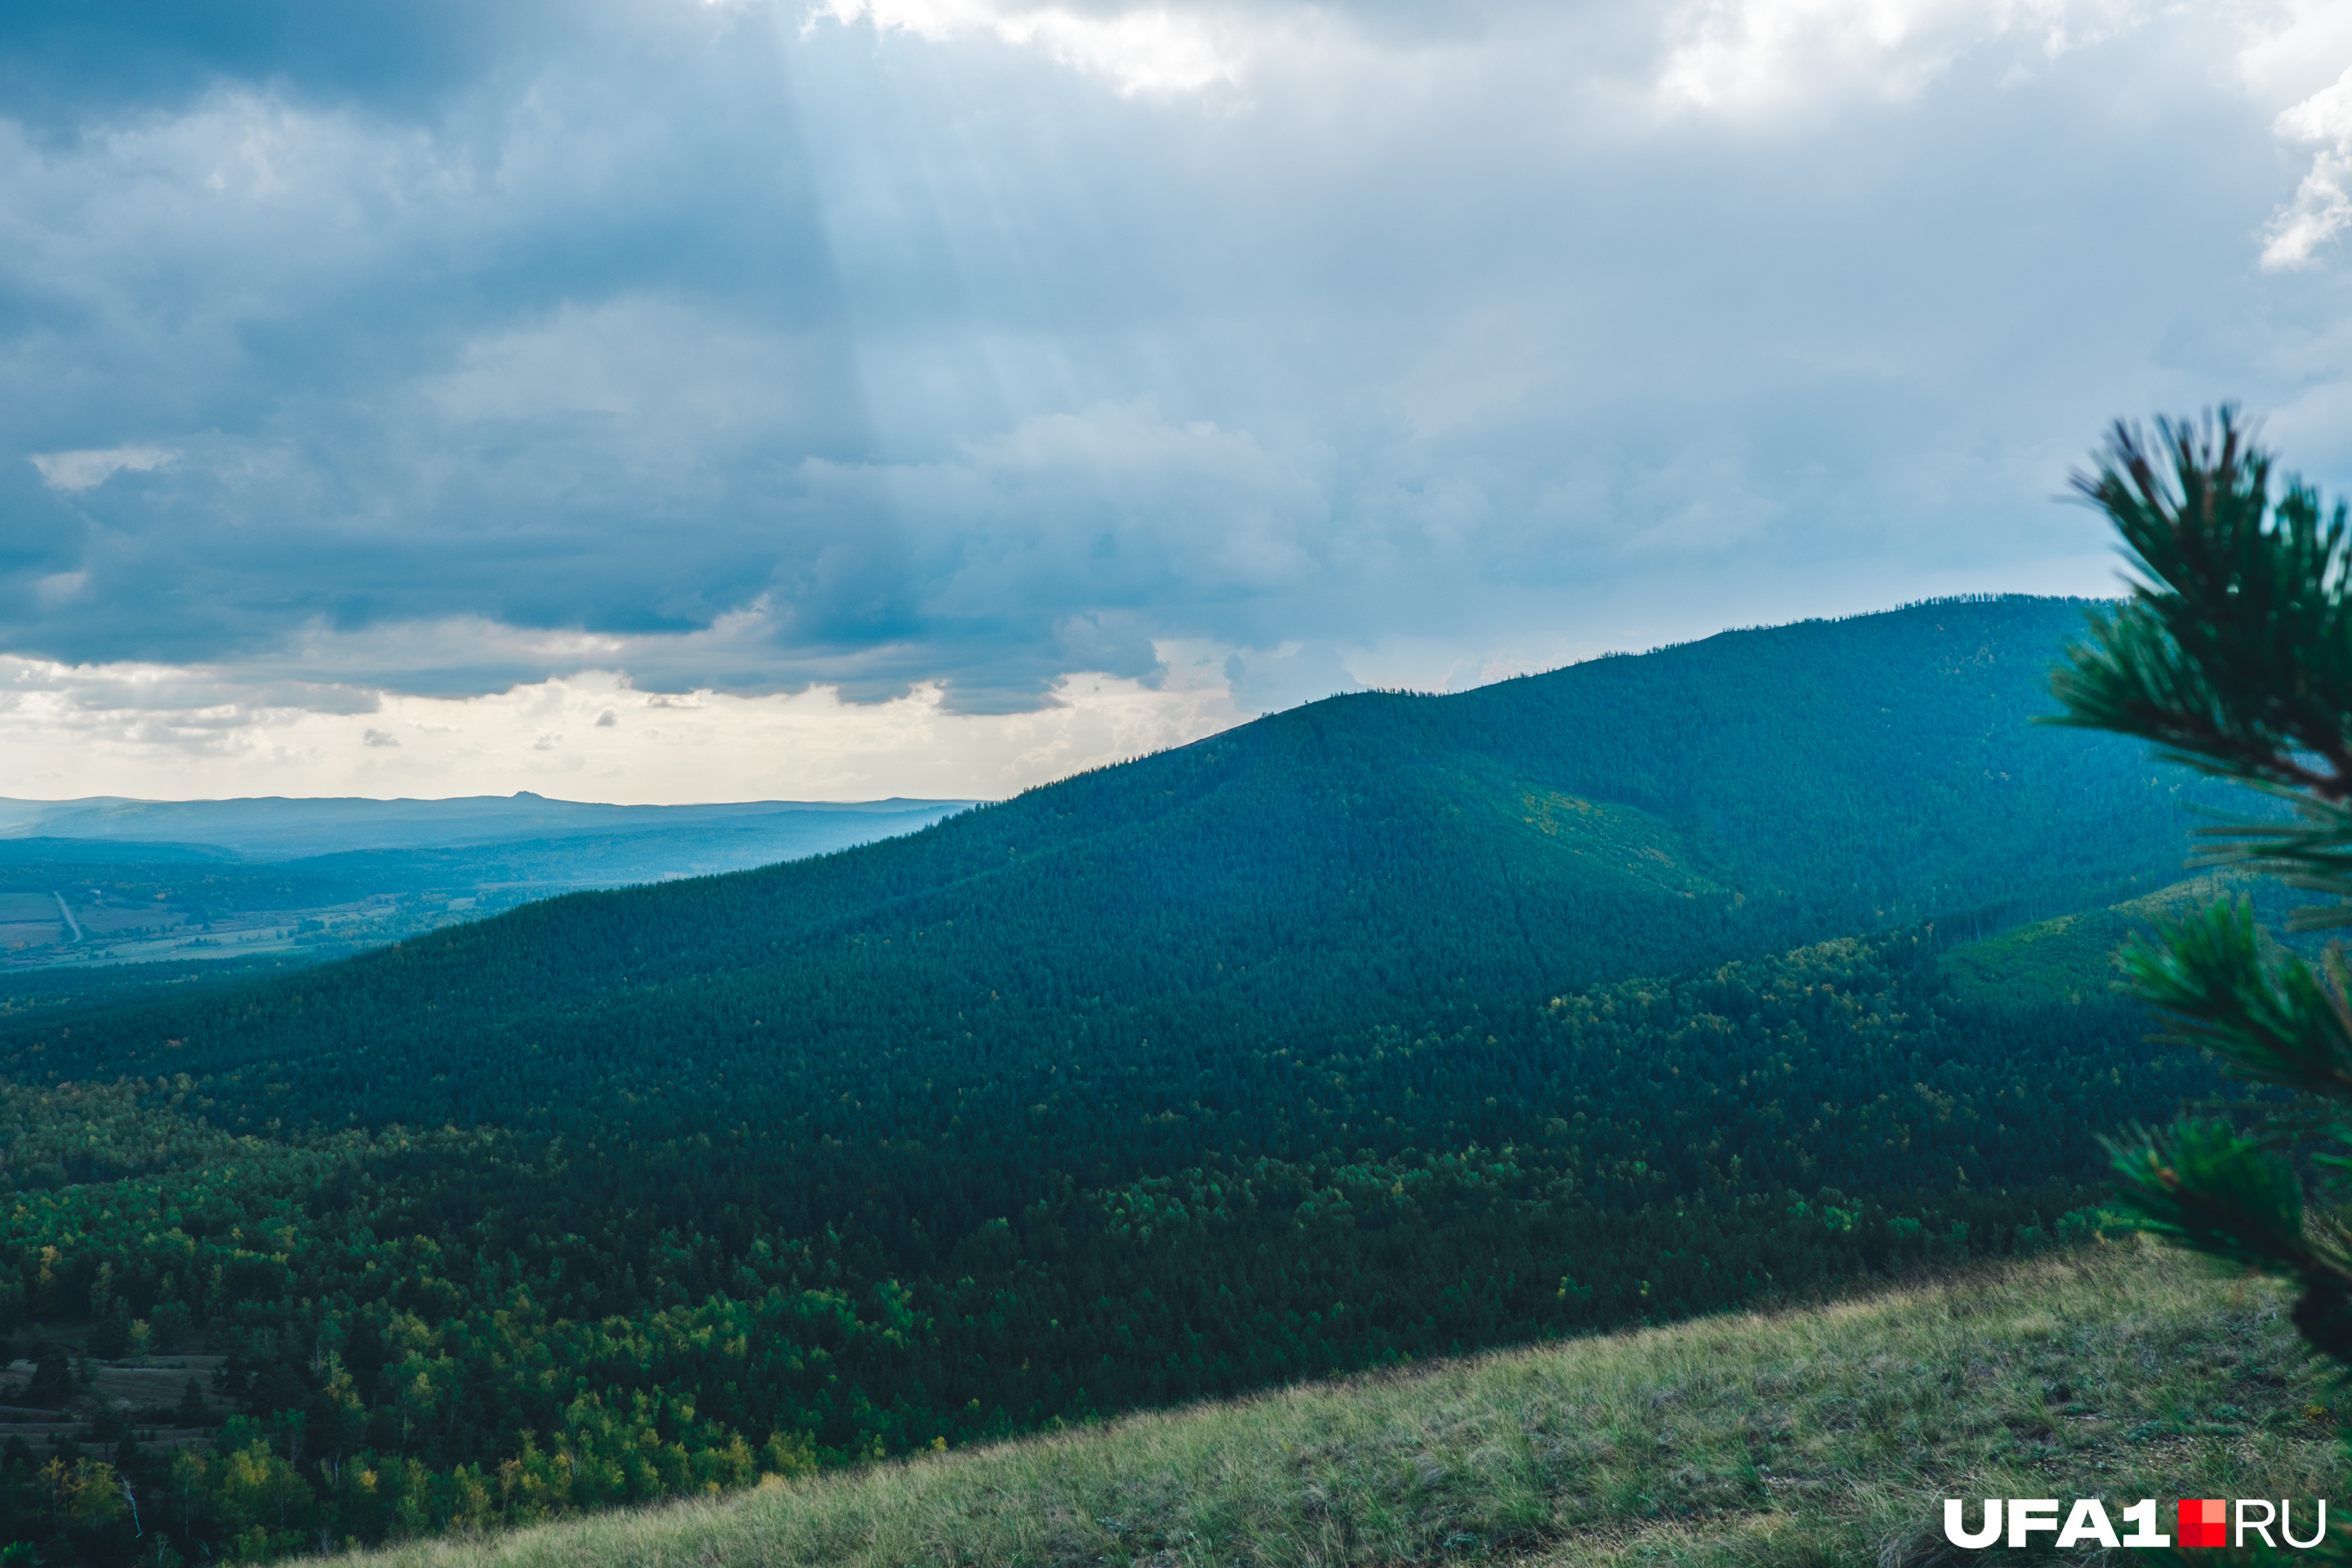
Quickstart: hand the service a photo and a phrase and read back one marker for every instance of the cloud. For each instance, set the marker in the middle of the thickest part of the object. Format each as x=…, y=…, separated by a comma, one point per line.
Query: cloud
x=1142, y=48
x=1746, y=57
x=62, y=60
x=946, y=351
x=81, y=470
x=193, y=704
x=2322, y=207
x=127, y=731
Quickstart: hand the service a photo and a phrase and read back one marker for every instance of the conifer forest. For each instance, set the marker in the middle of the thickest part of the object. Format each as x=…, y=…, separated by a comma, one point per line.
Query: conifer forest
x=1388, y=1027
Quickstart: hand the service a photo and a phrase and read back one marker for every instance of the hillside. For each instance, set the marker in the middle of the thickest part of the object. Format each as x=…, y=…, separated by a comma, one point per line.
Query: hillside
x=2071, y=958
x=1389, y=1028
x=1826, y=1436
x=1360, y=861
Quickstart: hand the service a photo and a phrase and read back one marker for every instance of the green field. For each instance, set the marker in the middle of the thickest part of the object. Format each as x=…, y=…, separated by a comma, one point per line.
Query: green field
x=1816, y=1437
x=2070, y=959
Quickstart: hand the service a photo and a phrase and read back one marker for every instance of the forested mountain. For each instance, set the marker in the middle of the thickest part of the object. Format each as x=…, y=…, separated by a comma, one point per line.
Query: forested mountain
x=1390, y=1026
x=1335, y=867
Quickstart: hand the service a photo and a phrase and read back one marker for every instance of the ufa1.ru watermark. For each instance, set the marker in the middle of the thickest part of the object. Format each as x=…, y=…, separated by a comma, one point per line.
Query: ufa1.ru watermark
x=2198, y=1522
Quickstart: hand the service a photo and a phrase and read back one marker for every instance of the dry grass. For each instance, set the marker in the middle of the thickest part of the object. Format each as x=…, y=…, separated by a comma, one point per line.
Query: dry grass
x=1807, y=1437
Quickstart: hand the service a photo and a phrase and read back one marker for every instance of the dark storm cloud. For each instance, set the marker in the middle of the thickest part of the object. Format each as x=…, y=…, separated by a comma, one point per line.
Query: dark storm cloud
x=441, y=348
x=63, y=61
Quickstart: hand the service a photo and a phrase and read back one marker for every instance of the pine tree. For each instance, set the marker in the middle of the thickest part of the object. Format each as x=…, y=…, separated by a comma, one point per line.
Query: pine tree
x=52, y=1384
x=2233, y=653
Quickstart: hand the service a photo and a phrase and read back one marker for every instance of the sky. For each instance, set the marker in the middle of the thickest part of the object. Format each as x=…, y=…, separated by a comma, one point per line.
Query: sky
x=664, y=400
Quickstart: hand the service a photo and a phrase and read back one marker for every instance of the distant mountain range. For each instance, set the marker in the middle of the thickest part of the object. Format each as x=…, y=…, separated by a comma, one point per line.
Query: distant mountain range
x=107, y=880
x=280, y=828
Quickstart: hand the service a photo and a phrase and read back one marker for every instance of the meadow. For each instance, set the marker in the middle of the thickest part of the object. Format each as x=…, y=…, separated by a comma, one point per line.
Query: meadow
x=1820, y=1434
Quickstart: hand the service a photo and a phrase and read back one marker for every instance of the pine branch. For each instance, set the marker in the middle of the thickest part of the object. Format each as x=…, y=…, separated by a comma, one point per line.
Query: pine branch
x=2233, y=654
x=2234, y=650
x=2270, y=1019
x=2312, y=853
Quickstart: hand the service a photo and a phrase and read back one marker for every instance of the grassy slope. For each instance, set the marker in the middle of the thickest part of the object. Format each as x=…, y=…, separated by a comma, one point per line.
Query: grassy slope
x=2071, y=958
x=1816, y=1437
x=2068, y=957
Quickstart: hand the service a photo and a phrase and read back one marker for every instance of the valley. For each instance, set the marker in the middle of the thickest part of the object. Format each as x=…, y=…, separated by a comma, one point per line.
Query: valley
x=104, y=882
x=1363, y=785
x=1387, y=1029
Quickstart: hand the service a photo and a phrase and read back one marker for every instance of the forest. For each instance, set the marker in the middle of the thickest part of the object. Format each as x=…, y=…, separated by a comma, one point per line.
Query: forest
x=1388, y=1027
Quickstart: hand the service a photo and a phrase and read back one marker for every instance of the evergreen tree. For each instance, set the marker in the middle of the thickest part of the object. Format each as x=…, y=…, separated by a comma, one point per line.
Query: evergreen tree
x=52, y=1384
x=2233, y=653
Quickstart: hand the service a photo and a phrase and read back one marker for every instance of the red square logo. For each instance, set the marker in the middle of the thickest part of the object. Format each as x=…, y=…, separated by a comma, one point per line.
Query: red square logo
x=2204, y=1521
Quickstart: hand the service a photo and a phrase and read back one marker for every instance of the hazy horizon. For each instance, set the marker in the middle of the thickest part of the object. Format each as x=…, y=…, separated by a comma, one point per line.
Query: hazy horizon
x=712, y=800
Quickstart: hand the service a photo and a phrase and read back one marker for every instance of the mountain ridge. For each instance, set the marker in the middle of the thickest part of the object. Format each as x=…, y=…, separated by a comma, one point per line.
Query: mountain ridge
x=281, y=827
x=1371, y=850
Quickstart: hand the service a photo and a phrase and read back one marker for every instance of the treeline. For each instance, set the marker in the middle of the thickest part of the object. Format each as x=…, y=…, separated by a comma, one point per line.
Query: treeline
x=499, y=1323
